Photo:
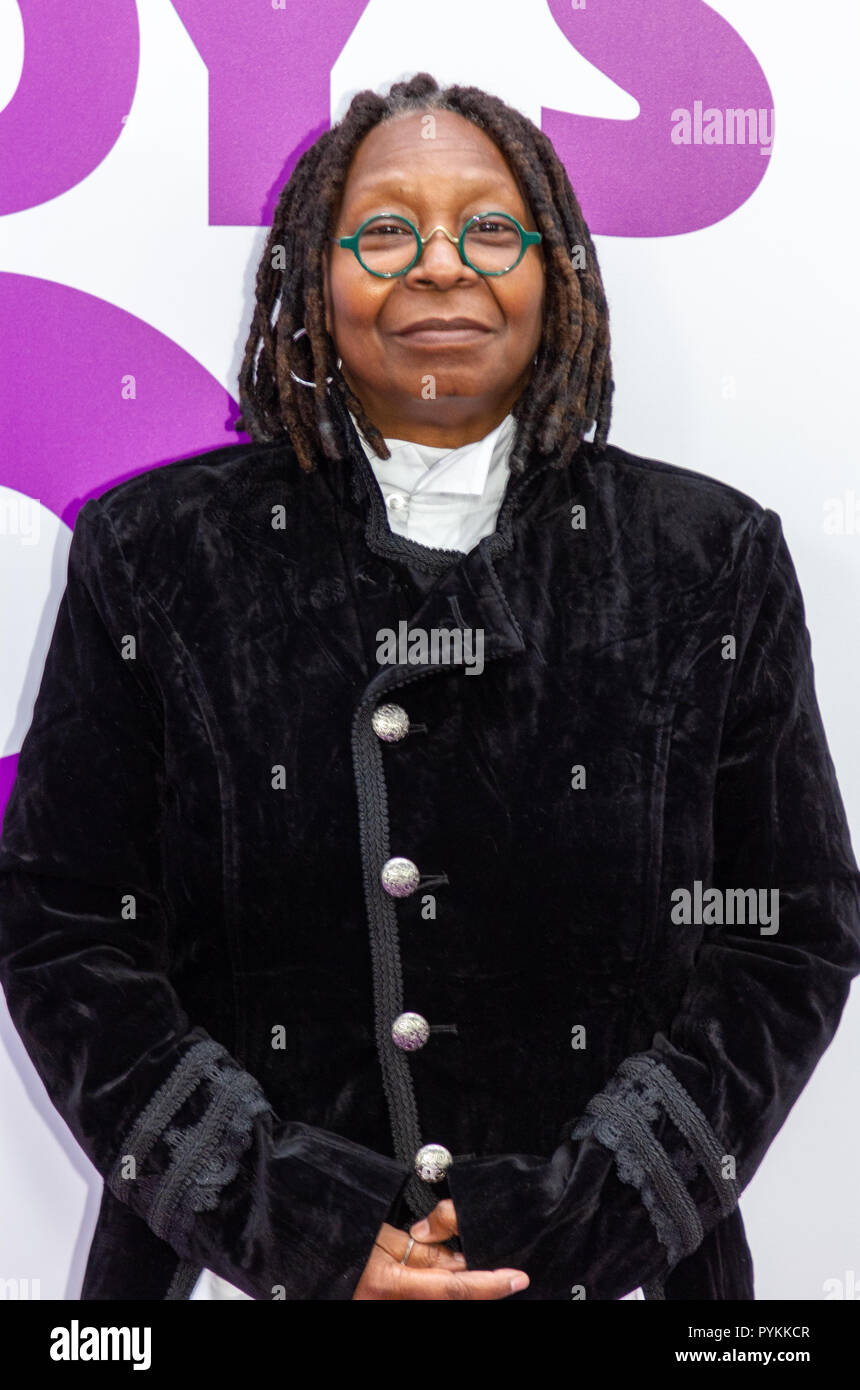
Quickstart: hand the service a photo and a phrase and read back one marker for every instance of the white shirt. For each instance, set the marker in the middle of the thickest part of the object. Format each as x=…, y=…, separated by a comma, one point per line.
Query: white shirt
x=447, y=498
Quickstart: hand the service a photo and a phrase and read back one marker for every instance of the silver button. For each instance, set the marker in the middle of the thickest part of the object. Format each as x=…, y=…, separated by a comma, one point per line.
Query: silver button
x=396, y=502
x=410, y=1031
x=432, y=1162
x=390, y=722
x=400, y=876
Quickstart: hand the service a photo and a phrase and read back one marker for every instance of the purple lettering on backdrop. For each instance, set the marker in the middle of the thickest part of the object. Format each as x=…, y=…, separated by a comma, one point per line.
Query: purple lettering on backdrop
x=629, y=177
x=77, y=83
x=66, y=432
x=269, y=93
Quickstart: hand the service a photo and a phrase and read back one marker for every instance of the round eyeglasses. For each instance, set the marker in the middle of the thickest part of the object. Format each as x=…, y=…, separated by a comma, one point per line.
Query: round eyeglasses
x=491, y=243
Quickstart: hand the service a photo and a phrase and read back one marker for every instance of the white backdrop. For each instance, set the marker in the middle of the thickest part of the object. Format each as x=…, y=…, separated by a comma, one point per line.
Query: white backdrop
x=735, y=355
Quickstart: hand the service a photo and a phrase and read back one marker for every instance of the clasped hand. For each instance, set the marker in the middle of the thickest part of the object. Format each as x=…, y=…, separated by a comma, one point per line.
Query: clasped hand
x=433, y=1270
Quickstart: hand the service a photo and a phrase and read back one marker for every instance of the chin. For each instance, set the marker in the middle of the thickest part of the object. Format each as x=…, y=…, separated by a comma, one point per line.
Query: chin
x=448, y=383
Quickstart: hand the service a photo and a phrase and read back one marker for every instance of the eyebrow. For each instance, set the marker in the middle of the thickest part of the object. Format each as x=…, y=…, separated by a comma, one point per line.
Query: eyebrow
x=401, y=186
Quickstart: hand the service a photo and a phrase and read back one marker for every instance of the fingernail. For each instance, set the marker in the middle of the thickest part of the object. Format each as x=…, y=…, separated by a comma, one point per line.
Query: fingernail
x=519, y=1281
x=420, y=1230
x=459, y=1259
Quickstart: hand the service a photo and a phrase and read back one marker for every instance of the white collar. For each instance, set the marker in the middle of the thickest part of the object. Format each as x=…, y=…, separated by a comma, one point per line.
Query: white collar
x=439, y=469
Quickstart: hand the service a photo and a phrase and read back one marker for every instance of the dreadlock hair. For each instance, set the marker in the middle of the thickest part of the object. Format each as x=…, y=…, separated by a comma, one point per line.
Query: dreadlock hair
x=571, y=385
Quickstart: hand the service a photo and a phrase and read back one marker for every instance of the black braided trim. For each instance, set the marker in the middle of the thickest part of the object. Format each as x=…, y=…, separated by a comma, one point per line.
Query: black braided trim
x=385, y=949
x=204, y=1156
x=623, y=1117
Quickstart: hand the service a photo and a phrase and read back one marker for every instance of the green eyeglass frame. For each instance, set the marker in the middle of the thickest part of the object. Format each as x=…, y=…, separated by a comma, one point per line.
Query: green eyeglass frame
x=350, y=243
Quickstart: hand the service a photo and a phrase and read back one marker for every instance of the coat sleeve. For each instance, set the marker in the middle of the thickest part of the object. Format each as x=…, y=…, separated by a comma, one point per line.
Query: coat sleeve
x=663, y=1152
x=177, y=1128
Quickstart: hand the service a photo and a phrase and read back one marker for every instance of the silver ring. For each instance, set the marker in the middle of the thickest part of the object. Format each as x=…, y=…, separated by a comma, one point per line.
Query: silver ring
x=408, y=1250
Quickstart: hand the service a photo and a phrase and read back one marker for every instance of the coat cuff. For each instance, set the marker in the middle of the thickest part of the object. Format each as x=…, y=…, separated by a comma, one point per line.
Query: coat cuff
x=615, y=1207
x=281, y=1210
x=567, y=1220
x=665, y=1147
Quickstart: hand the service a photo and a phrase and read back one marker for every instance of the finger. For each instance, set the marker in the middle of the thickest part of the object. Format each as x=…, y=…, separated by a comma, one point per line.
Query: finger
x=380, y=1245
x=382, y=1277
x=395, y=1243
x=391, y=1239
x=453, y=1285
x=426, y=1255
x=439, y=1225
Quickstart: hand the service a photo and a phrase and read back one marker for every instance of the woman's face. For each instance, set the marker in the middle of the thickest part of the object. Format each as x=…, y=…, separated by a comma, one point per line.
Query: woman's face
x=440, y=387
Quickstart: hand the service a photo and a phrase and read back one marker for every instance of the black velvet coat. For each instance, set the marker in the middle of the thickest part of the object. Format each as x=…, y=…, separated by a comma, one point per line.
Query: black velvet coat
x=202, y=956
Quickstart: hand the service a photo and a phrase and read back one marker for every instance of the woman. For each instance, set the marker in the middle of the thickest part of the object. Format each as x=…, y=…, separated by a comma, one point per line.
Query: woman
x=426, y=811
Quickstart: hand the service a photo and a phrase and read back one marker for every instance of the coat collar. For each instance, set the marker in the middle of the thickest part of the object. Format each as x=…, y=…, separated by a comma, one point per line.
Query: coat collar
x=466, y=593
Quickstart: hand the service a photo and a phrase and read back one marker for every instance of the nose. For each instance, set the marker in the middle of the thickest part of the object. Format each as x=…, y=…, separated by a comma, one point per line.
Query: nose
x=440, y=258
x=445, y=233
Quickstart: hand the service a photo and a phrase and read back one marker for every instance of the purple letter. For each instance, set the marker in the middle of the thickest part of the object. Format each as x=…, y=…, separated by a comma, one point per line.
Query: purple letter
x=77, y=84
x=268, y=93
x=631, y=177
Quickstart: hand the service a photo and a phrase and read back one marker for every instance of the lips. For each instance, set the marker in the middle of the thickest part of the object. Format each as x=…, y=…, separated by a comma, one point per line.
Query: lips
x=438, y=325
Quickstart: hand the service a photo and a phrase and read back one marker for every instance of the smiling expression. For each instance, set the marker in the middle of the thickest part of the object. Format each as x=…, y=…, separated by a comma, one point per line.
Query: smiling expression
x=438, y=355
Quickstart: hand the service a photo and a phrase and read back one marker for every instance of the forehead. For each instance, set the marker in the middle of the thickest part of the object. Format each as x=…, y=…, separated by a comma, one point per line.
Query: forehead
x=424, y=154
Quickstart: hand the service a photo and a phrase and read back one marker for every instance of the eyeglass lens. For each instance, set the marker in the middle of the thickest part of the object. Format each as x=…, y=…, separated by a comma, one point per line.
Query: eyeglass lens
x=387, y=244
